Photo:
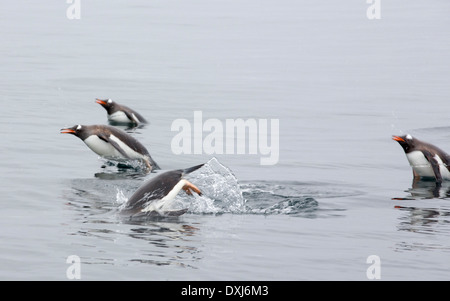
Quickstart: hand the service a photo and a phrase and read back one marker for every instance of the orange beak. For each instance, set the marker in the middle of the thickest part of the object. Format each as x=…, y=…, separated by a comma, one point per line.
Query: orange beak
x=397, y=138
x=67, y=131
x=99, y=101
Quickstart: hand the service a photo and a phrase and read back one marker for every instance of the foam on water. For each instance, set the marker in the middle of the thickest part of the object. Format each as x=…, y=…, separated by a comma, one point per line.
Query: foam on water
x=267, y=199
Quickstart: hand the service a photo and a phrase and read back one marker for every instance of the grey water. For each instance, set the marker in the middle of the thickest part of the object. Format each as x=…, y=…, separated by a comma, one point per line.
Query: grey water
x=340, y=85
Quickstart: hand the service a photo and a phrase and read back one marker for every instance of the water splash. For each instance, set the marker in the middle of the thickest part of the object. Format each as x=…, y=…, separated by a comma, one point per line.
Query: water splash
x=222, y=193
x=220, y=188
x=121, y=199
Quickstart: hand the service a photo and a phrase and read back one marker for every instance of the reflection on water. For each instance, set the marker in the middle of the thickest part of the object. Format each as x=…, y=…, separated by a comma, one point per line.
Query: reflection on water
x=426, y=189
x=172, y=235
x=120, y=171
x=416, y=246
x=161, y=243
x=112, y=170
x=423, y=220
x=426, y=211
x=97, y=229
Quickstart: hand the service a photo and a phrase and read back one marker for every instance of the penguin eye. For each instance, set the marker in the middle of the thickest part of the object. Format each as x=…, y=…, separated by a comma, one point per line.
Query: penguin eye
x=78, y=127
x=110, y=100
x=409, y=137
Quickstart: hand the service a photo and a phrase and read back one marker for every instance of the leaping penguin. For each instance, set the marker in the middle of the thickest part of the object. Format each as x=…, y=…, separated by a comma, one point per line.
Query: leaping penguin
x=426, y=160
x=119, y=113
x=112, y=143
x=155, y=196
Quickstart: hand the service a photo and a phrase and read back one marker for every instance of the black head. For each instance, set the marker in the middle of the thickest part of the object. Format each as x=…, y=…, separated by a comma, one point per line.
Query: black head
x=108, y=104
x=77, y=130
x=406, y=141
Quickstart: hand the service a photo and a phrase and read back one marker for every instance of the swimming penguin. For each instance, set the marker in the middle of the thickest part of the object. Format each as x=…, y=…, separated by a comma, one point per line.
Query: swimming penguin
x=112, y=143
x=426, y=160
x=155, y=196
x=120, y=114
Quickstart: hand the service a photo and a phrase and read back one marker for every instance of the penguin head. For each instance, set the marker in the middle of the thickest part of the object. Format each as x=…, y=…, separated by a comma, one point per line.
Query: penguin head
x=406, y=141
x=77, y=130
x=108, y=104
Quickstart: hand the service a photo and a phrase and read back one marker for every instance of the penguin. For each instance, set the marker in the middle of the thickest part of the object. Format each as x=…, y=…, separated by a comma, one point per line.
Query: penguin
x=154, y=197
x=120, y=114
x=426, y=160
x=112, y=143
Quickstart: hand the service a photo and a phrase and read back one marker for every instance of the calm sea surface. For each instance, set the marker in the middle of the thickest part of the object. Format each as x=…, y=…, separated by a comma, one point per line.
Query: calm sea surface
x=338, y=83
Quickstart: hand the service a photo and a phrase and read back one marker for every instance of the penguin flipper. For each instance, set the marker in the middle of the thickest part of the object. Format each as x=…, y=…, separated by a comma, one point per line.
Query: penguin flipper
x=131, y=116
x=114, y=144
x=134, y=117
x=435, y=165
